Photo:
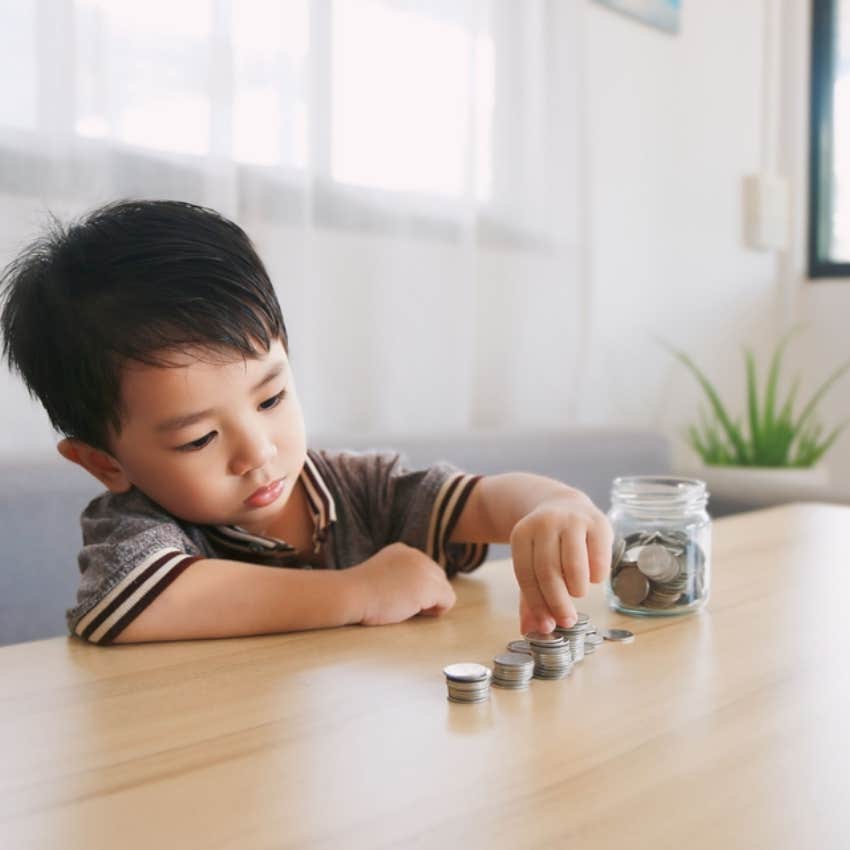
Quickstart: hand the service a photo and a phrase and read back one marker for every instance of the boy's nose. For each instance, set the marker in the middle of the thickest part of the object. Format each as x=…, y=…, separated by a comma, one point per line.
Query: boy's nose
x=254, y=453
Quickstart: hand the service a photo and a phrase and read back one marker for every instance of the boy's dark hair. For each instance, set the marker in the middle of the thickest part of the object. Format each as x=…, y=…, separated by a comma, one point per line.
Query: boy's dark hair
x=129, y=281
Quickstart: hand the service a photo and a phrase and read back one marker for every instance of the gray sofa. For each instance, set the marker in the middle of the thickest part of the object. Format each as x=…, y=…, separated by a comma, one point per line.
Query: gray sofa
x=40, y=502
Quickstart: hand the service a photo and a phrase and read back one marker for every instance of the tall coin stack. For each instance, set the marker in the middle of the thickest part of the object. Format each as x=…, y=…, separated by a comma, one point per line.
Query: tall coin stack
x=552, y=656
x=513, y=670
x=468, y=682
x=575, y=636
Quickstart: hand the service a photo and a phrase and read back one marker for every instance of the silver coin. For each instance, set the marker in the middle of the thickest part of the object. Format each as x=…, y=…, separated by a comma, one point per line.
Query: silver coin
x=520, y=646
x=655, y=562
x=466, y=671
x=482, y=698
x=550, y=639
x=619, y=635
x=513, y=659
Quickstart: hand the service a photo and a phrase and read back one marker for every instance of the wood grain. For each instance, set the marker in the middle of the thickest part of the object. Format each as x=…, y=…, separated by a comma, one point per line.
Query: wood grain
x=722, y=729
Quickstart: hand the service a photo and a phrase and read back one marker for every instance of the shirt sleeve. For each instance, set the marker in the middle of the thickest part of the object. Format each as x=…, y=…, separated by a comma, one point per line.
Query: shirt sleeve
x=132, y=551
x=416, y=507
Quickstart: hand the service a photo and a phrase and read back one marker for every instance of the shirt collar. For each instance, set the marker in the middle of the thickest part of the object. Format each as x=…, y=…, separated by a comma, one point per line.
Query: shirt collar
x=322, y=509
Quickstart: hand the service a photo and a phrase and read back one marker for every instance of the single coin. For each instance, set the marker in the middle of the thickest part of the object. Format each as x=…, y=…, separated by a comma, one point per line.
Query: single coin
x=550, y=639
x=631, y=586
x=654, y=561
x=466, y=671
x=513, y=659
x=520, y=646
x=618, y=635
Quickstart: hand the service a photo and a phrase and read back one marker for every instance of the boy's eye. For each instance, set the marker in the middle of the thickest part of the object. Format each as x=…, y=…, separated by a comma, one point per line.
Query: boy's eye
x=274, y=401
x=197, y=444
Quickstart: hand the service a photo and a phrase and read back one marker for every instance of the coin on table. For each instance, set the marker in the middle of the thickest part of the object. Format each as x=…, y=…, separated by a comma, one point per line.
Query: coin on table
x=618, y=635
x=520, y=646
x=466, y=671
x=630, y=585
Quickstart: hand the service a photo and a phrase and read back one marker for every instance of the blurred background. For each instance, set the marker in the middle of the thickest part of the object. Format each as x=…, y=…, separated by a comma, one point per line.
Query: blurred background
x=479, y=215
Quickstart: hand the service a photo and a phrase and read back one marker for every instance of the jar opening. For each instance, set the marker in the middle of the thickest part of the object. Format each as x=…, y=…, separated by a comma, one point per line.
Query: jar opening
x=659, y=491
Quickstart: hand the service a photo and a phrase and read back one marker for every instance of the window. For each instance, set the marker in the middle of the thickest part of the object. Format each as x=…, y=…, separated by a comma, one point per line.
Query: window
x=275, y=88
x=829, y=147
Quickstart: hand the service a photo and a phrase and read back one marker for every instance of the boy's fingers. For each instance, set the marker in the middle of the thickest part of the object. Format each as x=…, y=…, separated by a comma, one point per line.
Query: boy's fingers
x=547, y=568
x=522, y=550
x=574, y=560
x=531, y=622
x=600, y=542
x=446, y=598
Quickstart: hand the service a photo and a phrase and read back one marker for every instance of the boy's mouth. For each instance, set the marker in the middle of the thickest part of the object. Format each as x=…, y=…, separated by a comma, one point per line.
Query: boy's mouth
x=266, y=495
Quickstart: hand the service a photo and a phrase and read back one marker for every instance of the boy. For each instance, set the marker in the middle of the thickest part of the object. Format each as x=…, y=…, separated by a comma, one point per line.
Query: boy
x=152, y=335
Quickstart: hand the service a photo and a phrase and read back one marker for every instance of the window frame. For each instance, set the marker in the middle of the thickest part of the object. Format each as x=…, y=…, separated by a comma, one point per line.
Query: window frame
x=820, y=266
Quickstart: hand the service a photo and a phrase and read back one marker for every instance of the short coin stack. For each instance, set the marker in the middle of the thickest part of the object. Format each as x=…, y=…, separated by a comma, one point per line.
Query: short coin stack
x=468, y=682
x=592, y=639
x=552, y=656
x=513, y=670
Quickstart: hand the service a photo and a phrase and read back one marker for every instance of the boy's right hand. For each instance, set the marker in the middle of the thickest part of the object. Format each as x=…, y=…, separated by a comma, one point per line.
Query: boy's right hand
x=399, y=582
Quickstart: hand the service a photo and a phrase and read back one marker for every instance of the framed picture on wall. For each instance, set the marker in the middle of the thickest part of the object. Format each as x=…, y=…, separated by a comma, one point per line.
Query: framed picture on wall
x=663, y=14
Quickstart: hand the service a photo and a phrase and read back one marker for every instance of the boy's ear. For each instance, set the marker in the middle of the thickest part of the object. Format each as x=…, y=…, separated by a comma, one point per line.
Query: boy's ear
x=100, y=464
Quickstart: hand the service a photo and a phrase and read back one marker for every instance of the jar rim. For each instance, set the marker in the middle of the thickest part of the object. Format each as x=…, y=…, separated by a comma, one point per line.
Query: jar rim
x=654, y=489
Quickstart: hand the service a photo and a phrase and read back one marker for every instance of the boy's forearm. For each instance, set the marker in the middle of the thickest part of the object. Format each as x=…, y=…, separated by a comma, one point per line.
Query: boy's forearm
x=217, y=598
x=498, y=502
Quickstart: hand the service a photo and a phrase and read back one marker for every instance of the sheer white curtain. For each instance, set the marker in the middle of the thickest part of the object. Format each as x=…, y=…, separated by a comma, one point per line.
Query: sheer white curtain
x=407, y=168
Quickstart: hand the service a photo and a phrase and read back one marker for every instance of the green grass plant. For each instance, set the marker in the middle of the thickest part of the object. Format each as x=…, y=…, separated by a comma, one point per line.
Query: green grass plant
x=776, y=437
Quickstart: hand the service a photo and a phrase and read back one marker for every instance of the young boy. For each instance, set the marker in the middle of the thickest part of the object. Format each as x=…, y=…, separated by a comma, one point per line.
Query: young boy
x=151, y=333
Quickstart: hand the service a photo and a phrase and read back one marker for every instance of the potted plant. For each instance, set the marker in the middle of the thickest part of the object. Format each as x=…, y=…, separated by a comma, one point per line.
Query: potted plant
x=778, y=443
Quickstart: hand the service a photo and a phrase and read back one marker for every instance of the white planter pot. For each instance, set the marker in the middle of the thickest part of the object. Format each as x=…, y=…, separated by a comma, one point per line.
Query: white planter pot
x=730, y=479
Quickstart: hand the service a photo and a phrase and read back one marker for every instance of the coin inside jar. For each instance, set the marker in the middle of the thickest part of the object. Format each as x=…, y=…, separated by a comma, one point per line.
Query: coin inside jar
x=656, y=562
x=631, y=585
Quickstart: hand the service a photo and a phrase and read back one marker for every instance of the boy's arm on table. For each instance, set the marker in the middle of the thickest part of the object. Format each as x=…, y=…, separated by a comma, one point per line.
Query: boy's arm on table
x=216, y=598
x=559, y=541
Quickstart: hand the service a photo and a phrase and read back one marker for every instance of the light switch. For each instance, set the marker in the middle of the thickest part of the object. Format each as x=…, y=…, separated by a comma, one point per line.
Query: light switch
x=766, y=212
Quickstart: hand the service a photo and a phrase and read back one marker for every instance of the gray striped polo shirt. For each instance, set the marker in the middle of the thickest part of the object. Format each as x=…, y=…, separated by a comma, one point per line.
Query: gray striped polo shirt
x=360, y=502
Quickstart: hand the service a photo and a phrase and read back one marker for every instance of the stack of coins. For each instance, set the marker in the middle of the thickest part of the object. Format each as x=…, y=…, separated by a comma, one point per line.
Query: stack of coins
x=513, y=670
x=552, y=656
x=575, y=636
x=592, y=639
x=468, y=682
x=658, y=569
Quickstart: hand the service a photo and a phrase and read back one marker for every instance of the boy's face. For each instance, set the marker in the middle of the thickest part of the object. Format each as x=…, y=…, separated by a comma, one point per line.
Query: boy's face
x=208, y=469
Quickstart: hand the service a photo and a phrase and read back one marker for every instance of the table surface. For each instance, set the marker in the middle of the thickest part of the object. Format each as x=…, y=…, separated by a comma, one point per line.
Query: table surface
x=726, y=728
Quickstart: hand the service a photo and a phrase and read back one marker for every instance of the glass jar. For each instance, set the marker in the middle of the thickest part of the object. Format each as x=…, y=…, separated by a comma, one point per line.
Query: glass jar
x=661, y=563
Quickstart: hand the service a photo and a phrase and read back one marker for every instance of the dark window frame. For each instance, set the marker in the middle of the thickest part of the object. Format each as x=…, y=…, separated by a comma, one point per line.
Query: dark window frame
x=821, y=143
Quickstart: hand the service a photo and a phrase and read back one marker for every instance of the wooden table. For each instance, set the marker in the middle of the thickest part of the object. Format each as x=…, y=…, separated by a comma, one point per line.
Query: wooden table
x=727, y=729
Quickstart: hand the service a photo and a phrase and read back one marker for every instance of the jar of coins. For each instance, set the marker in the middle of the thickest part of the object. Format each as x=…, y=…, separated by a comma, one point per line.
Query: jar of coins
x=662, y=545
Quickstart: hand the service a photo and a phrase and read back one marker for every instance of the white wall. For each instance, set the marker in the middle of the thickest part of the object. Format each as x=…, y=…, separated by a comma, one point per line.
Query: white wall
x=674, y=125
